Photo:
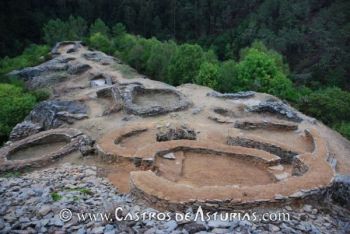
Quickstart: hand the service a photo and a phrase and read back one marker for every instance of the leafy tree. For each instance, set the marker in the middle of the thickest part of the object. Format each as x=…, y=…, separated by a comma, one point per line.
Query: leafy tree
x=134, y=57
x=31, y=56
x=15, y=105
x=55, y=31
x=331, y=105
x=226, y=76
x=185, y=64
x=208, y=75
x=118, y=30
x=101, y=42
x=77, y=28
x=259, y=71
x=139, y=52
x=123, y=45
x=99, y=27
x=159, y=59
x=343, y=128
x=277, y=57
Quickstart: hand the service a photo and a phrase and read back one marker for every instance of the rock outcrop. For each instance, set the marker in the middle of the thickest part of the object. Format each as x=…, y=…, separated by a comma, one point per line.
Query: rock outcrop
x=100, y=57
x=74, y=47
x=277, y=108
x=238, y=95
x=48, y=115
x=51, y=72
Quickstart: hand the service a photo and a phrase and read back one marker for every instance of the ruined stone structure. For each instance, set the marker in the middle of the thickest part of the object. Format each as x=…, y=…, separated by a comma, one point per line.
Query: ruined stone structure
x=13, y=157
x=185, y=146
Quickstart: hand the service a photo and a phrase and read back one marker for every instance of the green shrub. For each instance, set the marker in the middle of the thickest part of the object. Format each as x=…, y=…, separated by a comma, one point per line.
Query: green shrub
x=10, y=174
x=41, y=94
x=208, y=75
x=343, y=128
x=86, y=191
x=260, y=72
x=226, y=76
x=184, y=65
x=330, y=105
x=56, y=196
x=15, y=105
x=124, y=44
x=118, y=30
x=159, y=59
x=31, y=56
x=99, y=27
x=54, y=31
x=100, y=42
x=137, y=55
x=140, y=52
x=57, y=30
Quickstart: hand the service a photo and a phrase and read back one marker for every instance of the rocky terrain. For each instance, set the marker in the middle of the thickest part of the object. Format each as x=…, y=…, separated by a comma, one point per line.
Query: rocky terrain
x=111, y=142
x=28, y=204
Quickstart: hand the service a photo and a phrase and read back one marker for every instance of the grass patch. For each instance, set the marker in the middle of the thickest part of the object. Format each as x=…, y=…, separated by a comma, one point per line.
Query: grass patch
x=55, y=196
x=11, y=174
x=15, y=174
x=83, y=191
x=127, y=71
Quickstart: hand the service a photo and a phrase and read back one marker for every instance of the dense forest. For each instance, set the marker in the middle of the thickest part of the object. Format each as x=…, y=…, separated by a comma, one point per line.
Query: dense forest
x=296, y=50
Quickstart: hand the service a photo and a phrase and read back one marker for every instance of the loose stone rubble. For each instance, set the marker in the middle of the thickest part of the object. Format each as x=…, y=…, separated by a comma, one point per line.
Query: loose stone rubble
x=32, y=204
x=168, y=133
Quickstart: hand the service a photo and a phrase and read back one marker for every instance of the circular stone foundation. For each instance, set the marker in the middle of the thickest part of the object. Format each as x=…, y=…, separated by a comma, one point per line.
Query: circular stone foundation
x=187, y=173
x=39, y=149
x=246, y=171
x=148, y=102
x=197, y=169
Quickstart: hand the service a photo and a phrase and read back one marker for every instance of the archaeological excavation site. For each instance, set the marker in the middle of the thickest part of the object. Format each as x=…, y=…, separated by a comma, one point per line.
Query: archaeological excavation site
x=106, y=139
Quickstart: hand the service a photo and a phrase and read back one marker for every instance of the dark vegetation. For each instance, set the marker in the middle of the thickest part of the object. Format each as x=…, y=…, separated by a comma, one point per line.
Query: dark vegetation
x=296, y=50
x=15, y=101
